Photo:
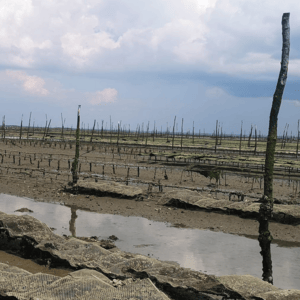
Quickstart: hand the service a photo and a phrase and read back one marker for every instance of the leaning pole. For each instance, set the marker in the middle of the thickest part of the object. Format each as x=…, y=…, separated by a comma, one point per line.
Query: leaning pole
x=266, y=207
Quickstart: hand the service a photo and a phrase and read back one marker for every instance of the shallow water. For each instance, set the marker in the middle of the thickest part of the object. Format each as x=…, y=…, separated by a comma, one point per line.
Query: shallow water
x=201, y=250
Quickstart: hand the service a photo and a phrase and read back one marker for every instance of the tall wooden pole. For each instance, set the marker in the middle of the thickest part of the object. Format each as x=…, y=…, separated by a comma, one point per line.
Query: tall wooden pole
x=93, y=131
x=29, y=125
x=297, y=142
x=216, y=136
x=173, y=133
x=266, y=207
x=3, y=128
x=62, y=127
x=75, y=162
x=181, y=133
x=21, y=128
x=241, y=137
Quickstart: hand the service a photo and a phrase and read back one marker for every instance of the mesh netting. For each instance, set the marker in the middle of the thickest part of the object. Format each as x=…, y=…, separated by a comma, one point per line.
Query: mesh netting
x=84, y=285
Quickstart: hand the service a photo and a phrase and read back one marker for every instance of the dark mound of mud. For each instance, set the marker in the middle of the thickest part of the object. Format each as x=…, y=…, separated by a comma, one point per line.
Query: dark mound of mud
x=286, y=214
x=106, y=188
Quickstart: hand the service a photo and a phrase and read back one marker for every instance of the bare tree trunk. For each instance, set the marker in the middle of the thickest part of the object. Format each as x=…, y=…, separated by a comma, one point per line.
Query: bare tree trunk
x=266, y=207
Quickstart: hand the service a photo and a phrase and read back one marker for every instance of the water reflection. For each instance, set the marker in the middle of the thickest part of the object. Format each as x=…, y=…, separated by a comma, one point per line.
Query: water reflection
x=72, y=227
x=202, y=250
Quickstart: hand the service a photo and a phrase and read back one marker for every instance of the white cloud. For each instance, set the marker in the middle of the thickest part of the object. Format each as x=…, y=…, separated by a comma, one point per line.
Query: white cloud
x=105, y=96
x=215, y=92
x=81, y=47
x=15, y=11
x=228, y=36
x=31, y=84
x=293, y=102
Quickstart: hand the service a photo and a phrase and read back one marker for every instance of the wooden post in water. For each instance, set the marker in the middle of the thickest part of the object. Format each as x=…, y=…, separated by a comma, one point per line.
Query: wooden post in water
x=75, y=162
x=266, y=208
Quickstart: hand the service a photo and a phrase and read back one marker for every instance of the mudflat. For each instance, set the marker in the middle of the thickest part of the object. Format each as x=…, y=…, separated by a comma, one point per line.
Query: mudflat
x=42, y=172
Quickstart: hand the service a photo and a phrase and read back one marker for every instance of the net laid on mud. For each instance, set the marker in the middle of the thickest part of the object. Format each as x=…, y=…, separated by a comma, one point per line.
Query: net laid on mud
x=83, y=285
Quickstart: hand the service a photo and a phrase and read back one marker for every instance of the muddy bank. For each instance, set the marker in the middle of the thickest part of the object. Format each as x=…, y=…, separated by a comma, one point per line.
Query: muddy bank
x=30, y=238
x=152, y=208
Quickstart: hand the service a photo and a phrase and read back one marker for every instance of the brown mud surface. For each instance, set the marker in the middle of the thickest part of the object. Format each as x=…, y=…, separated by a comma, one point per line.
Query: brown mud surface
x=46, y=184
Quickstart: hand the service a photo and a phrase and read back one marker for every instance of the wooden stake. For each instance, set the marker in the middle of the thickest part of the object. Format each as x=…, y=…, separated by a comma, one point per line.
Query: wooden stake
x=173, y=133
x=76, y=159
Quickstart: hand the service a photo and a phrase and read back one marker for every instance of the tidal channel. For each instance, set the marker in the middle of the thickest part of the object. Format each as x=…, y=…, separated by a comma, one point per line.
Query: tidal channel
x=206, y=251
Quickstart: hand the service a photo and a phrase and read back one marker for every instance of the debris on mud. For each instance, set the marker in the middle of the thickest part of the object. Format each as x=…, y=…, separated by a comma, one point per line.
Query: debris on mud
x=24, y=209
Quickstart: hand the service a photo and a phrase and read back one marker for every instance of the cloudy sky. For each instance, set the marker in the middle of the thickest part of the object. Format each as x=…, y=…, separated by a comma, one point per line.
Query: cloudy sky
x=140, y=61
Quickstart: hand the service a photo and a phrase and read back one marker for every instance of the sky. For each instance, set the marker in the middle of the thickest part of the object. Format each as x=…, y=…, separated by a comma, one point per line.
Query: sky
x=148, y=61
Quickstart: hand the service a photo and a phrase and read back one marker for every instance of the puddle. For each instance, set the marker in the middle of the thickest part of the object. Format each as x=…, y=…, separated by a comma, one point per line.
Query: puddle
x=201, y=250
x=31, y=266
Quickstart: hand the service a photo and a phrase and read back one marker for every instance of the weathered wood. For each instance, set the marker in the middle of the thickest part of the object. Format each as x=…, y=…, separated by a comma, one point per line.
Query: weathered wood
x=75, y=162
x=266, y=207
x=173, y=133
